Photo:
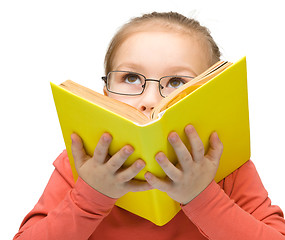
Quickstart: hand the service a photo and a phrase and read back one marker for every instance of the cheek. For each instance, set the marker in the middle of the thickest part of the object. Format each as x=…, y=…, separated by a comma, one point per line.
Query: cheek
x=130, y=100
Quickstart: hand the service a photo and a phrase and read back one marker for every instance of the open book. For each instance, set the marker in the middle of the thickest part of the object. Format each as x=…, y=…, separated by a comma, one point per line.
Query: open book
x=216, y=100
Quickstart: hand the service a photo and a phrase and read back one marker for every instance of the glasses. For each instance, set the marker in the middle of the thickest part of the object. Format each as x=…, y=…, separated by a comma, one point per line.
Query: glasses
x=132, y=83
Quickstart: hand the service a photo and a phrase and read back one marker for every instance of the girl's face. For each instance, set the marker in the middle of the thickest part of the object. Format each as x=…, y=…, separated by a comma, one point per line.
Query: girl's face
x=156, y=54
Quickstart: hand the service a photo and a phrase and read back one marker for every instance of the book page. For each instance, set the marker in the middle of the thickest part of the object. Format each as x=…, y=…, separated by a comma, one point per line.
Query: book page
x=108, y=103
x=189, y=87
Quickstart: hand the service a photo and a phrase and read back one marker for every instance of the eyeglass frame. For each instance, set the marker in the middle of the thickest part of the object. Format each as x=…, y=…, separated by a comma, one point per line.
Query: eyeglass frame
x=105, y=79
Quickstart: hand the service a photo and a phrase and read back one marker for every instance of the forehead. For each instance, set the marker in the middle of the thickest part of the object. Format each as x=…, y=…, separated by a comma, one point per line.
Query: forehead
x=159, y=49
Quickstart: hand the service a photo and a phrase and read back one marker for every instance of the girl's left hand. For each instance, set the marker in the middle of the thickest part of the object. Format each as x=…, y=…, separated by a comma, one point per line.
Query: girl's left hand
x=194, y=171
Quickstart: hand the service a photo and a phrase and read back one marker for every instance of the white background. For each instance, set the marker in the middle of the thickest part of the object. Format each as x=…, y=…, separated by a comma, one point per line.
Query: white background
x=43, y=41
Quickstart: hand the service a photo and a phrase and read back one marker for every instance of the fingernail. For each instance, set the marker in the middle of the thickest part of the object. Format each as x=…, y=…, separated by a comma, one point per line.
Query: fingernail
x=159, y=157
x=216, y=135
x=147, y=176
x=106, y=138
x=140, y=164
x=128, y=150
x=189, y=128
x=172, y=138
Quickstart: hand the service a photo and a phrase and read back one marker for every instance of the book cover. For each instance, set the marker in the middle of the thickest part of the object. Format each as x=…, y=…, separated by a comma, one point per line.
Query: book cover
x=220, y=104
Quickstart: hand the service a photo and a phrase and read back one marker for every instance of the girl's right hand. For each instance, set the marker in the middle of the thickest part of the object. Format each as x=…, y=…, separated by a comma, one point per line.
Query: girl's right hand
x=105, y=173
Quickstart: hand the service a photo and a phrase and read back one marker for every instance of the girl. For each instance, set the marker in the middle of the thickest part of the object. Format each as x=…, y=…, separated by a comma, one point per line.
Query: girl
x=154, y=45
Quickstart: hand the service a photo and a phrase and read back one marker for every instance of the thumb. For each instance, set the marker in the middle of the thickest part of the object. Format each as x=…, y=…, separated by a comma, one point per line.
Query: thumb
x=78, y=151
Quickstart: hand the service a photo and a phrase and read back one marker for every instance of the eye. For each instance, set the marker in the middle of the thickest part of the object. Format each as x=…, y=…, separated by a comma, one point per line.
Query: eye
x=132, y=79
x=175, y=82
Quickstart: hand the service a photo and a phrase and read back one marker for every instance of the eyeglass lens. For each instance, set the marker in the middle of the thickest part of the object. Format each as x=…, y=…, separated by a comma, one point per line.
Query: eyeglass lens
x=130, y=83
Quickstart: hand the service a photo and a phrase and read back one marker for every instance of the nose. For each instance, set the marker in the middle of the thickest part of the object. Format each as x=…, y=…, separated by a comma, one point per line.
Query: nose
x=150, y=97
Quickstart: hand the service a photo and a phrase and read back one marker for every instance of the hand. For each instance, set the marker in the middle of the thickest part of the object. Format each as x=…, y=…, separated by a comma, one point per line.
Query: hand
x=194, y=171
x=105, y=173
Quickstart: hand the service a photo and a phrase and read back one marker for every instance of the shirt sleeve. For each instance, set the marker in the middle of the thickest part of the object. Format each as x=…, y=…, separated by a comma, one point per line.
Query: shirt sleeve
x=65, y=207
x=237, y=208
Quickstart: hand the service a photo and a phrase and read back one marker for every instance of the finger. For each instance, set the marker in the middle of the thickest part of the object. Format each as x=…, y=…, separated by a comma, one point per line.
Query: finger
x=118, y=159
x=101, y=150
x=78, y=151
x=107, y=158
x=129, y=173
x=170, y=170
x=196, y=144
x=182, y=153
x=216, y=148
x=162, y=185
x=138, y=186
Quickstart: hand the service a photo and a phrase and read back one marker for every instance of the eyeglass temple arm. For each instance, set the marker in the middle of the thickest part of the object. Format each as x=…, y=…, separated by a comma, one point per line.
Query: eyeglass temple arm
x=104, y=79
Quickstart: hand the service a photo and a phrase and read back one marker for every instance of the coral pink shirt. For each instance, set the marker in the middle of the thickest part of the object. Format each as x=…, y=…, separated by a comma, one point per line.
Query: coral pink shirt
x=238, y=207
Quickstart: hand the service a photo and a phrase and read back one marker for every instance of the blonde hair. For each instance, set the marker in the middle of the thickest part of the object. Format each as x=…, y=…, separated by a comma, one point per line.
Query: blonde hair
x=167, y=20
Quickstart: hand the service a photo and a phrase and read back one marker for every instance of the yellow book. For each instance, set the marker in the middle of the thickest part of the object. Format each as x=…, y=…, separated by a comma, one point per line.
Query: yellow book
x=216, y=100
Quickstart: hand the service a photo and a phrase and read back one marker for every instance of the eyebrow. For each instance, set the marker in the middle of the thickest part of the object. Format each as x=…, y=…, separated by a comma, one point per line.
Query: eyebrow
x=137, y=67
x=183, y=69
x=129, y=66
